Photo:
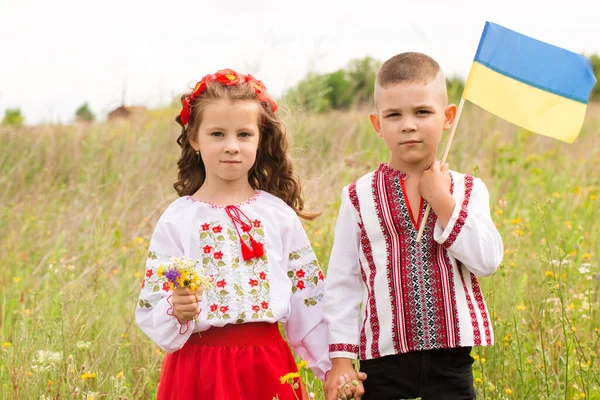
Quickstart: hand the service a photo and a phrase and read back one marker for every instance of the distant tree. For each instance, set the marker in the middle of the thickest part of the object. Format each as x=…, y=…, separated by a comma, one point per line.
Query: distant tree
x=13, y=117
x=83, y=113
x=341, y=94
x=455, y=85
x=362, y=73
x=596, y=66
x=311, y=94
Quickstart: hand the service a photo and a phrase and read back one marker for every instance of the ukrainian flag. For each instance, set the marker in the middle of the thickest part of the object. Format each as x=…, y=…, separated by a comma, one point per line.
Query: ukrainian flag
x=538, y=86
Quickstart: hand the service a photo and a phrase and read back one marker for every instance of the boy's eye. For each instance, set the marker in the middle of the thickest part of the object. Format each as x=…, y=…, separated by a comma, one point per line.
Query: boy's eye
x=392, y=115
x=423, y=112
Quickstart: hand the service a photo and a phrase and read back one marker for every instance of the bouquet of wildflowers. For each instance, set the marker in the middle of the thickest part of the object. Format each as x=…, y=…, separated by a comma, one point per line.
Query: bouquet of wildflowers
x=182, y=272
x=179, y=272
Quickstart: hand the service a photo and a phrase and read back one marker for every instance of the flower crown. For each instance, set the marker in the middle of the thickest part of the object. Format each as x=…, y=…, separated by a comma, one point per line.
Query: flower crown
x=227, y=77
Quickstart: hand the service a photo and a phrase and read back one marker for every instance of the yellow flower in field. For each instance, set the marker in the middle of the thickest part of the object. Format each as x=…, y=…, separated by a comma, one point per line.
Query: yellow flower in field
x=478, y=381
x=120, y=375
x=521, y=307
x=289, y=377
x=16, y=279
x=476, y=357
x=549, y=273
x=137, y=275
x=6, y=344
x=516, y=221
x=528, y=361
x=519, y=232
x=302, y=364
x=555, y=194
x=499, y=212
x=586, y=256
x=88, y=375
x=29, y=374
x=508, y=391
x=593, y=197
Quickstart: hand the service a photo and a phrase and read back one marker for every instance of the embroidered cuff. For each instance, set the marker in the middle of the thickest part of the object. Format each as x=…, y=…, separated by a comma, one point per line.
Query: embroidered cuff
x=343, y=350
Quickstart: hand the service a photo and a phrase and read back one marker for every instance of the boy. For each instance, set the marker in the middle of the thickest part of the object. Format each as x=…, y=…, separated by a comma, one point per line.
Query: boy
x=419, y=305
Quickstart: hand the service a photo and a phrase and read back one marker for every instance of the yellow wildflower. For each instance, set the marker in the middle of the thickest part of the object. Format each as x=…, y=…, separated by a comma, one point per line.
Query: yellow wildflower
x=289, y=377
x=120, y=375
x=586, y=256
x=302, y=364
x=7, y=344
x=508, y=391
x=88, y=375
x=549, y=273
x=16, y=279
x=160, y=271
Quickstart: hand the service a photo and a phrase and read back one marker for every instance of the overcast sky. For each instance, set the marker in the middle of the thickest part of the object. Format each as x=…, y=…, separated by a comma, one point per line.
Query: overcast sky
x=57, y=54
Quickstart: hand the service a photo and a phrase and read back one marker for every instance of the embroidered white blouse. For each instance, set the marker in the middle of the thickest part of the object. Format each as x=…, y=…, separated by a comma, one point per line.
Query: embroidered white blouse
x=284, y=285
x=387, y=294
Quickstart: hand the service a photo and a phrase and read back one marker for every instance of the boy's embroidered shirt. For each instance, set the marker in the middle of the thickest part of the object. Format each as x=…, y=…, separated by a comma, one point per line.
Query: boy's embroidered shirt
x=408, y=296
x=284, y=285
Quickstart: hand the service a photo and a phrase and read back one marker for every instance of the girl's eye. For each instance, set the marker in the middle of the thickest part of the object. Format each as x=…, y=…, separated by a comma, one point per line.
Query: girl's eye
x=245, y=134
x=218, y=134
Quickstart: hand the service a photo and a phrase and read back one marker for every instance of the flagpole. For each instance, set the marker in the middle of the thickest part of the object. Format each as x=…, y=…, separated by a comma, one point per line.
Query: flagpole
x=446, y=151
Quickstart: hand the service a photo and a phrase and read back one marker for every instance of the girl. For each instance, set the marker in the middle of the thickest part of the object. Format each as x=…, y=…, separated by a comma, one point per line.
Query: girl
x=238, y=216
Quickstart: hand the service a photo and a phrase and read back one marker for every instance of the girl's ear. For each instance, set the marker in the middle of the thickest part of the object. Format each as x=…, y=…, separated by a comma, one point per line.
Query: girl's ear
x=193, y=141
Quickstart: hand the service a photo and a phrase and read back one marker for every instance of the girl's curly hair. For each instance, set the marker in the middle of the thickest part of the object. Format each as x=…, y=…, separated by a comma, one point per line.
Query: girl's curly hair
x=272, y=171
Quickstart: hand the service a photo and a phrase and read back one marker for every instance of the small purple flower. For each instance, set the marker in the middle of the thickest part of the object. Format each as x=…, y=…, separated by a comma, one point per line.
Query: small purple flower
x=598, y=277
x=172, y=276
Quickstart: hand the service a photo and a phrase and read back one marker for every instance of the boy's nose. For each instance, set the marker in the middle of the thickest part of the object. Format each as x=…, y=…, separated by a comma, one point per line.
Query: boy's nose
x=408, y=126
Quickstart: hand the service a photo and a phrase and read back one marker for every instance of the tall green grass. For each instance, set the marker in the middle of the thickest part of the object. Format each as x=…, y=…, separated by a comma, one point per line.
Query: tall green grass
x=78, y=205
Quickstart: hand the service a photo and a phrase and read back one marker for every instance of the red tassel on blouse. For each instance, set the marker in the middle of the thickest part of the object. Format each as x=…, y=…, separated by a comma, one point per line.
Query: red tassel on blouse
x=257, y=248
x=248, y=253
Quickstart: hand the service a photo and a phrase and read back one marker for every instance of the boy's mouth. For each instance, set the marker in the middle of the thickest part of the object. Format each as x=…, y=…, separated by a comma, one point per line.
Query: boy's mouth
x=410, y=142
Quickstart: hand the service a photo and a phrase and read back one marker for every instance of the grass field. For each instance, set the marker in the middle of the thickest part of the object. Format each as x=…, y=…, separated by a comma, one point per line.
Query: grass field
x=78, y=205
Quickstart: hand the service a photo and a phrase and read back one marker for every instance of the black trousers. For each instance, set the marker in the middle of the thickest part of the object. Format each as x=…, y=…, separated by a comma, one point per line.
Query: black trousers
x=444, y=374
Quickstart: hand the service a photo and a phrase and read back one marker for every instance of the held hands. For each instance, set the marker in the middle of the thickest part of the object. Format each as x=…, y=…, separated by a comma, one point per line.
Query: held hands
x=343, y=382
x=186, y=303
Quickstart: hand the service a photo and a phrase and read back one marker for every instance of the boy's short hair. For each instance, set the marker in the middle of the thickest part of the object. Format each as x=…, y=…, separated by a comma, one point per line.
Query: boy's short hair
x=407, y=67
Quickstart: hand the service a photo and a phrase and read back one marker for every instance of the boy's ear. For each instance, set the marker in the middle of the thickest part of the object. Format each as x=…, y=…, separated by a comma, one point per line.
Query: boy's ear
x=449, y=115
x=374, y=117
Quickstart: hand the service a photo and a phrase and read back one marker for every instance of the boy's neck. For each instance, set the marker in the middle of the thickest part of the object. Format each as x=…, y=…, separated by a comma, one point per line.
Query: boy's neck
x=223, y=193
x=411, y=169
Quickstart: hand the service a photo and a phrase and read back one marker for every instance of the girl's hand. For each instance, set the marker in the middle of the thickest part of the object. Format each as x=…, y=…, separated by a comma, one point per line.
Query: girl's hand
x=186, y=304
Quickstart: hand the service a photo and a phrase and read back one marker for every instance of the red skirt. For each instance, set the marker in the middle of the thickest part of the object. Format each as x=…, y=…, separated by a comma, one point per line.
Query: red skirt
x=236, y=362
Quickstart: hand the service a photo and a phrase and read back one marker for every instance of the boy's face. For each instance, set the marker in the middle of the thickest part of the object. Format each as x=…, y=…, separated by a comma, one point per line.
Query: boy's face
x=411, y=118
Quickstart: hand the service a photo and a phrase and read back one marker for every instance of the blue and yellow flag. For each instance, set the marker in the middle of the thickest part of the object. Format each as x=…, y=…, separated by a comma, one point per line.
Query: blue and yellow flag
x=538, y=86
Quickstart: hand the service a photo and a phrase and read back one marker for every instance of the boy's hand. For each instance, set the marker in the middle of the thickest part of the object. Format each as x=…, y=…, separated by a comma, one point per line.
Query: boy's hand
x=435, y=182
x=341, y=368
x=185, y=304
x=434, y=187
x=351, y=388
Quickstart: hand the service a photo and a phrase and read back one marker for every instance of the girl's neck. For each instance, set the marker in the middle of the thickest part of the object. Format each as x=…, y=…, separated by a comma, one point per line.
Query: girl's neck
x=224, y=193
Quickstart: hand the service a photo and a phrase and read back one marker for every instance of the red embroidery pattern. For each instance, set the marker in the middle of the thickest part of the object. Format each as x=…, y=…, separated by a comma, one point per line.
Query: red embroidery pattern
x=481, y=306
x=372, y=307
x=474, y=323
x=350, y=348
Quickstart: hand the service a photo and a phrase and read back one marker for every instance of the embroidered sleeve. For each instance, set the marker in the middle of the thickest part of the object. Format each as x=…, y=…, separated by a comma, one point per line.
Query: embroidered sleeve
x=471, y=236
x=154, y=310
x=305, y=328
x=344, y=289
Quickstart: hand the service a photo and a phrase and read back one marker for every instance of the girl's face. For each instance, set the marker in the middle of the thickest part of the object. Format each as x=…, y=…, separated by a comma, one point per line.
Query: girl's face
x=228, y=139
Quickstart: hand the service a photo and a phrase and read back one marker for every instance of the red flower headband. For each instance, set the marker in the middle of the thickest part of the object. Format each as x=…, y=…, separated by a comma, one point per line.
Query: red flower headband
x=227, y=77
